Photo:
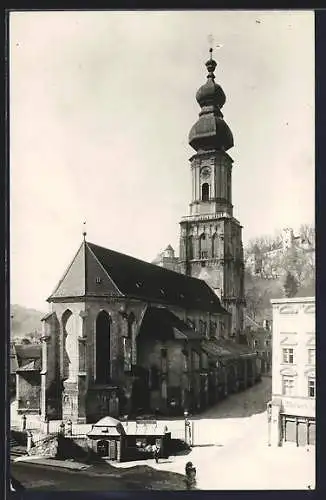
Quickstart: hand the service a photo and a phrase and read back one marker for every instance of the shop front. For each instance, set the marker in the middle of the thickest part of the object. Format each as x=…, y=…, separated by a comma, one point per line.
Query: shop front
x=298, y=422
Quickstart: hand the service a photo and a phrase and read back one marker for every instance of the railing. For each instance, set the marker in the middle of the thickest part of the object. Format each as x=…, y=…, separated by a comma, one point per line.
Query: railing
x=210, y=216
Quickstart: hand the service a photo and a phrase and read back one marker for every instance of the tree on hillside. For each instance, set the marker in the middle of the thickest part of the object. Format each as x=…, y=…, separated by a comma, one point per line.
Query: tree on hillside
x=308, y=235
x=299, y=263
x=290, y=285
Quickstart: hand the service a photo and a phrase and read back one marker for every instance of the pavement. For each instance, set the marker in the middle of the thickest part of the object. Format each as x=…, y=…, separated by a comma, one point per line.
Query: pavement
x=36, y=476
x=50, y=462
x=231, y=449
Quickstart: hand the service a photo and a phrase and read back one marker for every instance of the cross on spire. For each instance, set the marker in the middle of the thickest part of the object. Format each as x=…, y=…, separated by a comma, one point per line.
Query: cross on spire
x=84, y=231
x=211, y=42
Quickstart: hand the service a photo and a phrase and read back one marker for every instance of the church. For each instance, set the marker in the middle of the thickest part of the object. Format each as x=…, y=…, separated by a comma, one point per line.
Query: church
x=124, y=336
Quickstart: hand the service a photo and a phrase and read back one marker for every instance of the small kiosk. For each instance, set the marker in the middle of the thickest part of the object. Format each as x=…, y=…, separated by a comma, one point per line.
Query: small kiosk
x=129, y=440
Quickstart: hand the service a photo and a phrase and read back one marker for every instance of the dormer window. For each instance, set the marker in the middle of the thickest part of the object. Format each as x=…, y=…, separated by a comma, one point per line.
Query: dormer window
x=138, y=284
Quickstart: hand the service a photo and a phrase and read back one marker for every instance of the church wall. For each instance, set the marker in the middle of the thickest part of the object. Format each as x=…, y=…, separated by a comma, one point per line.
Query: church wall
x=180, y=373
x=117, y=331
x=75, y=330
x=50, y=374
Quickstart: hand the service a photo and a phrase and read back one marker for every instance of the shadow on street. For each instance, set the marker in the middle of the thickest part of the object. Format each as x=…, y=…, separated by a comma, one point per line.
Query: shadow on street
x=242, y=404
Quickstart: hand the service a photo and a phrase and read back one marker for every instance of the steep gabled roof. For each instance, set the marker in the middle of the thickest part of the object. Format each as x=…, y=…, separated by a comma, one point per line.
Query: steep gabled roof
x=139, y=279
x=100, y=272
x=166, y=325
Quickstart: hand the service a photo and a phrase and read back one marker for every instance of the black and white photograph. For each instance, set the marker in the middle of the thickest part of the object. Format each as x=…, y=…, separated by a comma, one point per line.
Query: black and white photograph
x=162, y=250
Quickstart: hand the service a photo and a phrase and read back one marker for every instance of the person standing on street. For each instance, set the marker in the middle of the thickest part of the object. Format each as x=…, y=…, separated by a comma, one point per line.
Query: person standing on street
x=190, y=476
x=156, y=452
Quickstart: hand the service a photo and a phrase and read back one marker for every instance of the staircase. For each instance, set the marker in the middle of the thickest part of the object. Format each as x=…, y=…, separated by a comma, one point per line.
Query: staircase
x=16, y=449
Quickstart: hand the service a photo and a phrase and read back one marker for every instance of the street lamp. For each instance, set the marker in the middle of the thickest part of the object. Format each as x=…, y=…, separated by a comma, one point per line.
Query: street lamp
x=187, y=427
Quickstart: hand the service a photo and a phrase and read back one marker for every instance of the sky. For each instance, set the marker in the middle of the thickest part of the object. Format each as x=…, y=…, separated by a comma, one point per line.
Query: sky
x=101, y=104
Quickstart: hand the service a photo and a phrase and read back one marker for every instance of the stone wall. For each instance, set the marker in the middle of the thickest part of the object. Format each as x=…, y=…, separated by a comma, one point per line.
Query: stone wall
x=47, y=447
x=29, y=389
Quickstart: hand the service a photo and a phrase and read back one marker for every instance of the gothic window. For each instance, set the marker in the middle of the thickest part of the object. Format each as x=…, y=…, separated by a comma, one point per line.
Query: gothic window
x=103, y=348
x=164, y=360
x=70, y=346
x=205, y=191
x=215, y=245
x=185, y=360
x=190, y=248
x=82, y=356
x=127, y=354
x=203, y=247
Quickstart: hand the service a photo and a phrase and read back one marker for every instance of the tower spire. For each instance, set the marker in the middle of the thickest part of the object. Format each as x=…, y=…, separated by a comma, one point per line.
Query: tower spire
x=210, y=131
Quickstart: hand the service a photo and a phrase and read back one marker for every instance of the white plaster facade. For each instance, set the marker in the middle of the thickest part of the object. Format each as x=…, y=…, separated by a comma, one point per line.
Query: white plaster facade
x=293, y=367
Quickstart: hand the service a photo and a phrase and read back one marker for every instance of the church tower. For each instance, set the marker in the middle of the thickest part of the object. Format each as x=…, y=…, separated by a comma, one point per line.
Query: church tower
x=210, y=237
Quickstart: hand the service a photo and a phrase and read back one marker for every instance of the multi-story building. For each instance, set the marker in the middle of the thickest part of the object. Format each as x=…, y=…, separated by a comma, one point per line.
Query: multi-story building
x=259, y=338
x=292, y=409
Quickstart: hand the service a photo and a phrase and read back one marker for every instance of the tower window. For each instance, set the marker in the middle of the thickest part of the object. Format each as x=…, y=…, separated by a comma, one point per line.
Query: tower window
x=205, y=192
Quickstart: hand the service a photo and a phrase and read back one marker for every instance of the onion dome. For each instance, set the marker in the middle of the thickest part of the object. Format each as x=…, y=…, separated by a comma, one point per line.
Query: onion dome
x=211, y=131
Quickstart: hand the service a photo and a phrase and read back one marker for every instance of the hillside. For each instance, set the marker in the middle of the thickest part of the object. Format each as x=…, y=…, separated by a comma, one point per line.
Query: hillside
x=25, y=322
x=269, y=261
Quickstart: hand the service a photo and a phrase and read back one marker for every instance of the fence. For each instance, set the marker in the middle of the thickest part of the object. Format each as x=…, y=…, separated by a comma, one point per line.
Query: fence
x=183, y=430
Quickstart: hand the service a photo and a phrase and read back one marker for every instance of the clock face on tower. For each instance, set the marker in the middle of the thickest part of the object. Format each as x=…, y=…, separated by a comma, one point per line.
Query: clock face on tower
x=205, y=172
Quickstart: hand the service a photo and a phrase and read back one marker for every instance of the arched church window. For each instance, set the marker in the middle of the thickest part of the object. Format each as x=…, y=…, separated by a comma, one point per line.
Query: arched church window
x=203, y=247
x=103, y=348
x=70, y=360
x=190, y=248
x=205, y=191
x=215, y=245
